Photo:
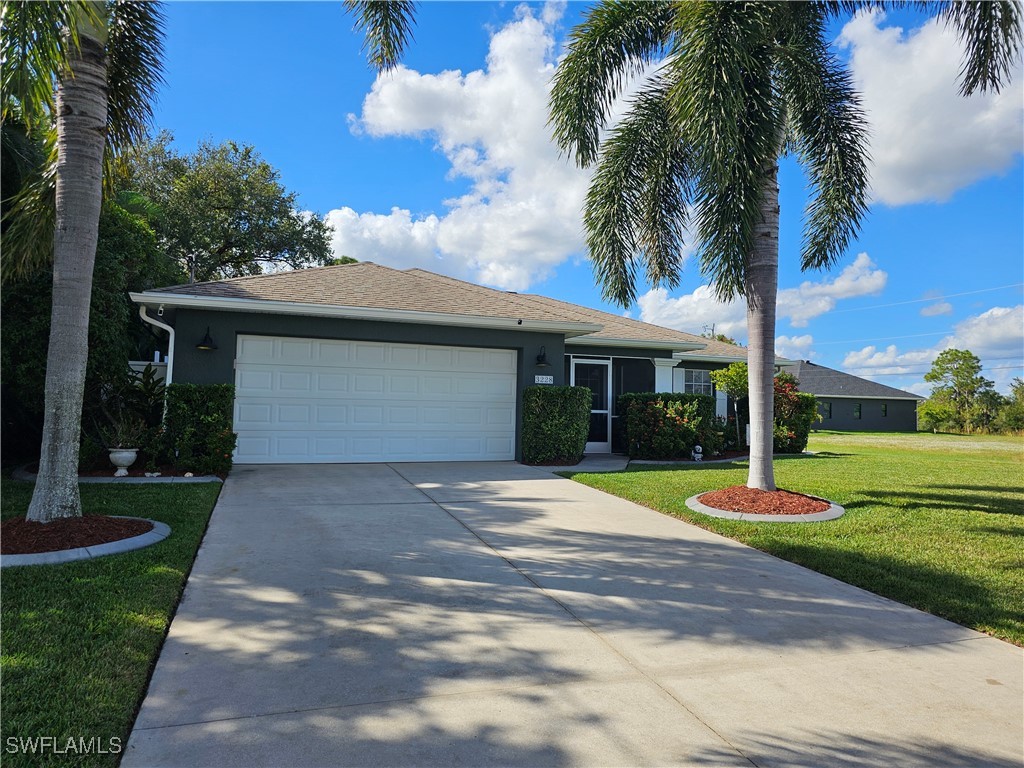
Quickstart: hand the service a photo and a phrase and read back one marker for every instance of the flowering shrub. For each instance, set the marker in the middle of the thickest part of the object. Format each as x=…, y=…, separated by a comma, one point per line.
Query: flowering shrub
x=795, y=412
x=667, y=425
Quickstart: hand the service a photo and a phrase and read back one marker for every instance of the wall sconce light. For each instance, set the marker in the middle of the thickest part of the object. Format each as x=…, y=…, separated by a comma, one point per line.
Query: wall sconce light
x=207, y=343
x=542, y=358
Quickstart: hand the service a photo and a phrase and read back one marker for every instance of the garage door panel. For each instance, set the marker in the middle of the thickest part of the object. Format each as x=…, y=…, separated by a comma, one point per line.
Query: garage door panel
x=305, y=400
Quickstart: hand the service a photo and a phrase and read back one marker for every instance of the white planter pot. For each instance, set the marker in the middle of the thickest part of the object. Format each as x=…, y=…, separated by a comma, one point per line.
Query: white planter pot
x=122, y=458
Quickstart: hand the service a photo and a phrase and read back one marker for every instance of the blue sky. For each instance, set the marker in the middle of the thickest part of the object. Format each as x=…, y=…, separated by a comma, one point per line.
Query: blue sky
x=446, y=164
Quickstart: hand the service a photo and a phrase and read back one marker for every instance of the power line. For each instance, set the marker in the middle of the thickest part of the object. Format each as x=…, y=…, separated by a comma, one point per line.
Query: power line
x=933, y=298
x=885, y=338
x=981, y=360
x=914, y=373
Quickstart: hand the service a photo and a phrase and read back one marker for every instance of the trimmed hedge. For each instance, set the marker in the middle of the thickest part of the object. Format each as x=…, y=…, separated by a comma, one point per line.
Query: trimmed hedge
x=197, y=427
x=666, y=425
x=556, y=421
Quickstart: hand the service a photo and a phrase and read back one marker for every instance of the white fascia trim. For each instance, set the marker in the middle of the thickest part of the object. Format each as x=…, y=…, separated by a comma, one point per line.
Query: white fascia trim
x=359, y=313
x=868, y=397
x=601, y=341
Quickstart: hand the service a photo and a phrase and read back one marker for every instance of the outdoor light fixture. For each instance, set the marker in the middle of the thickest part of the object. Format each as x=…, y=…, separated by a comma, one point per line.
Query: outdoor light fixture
x=207, y=342
x=542, y=358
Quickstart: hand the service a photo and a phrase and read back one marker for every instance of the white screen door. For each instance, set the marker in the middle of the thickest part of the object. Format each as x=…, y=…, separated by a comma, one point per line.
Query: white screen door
x=596, y=376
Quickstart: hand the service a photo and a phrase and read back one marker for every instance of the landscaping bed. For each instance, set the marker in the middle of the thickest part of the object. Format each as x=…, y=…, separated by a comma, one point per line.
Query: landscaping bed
x=739, y=498
x=79, y=640
x=19, y=536
x=933, y=523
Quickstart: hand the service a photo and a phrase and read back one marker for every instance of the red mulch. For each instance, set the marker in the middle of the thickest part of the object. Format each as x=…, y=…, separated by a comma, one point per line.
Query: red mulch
x=739, y=498
x=18, y=536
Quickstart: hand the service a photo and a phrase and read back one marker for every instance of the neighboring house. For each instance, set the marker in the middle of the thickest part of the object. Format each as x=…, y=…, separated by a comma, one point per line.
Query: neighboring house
x=848, y=402
x=362, y=363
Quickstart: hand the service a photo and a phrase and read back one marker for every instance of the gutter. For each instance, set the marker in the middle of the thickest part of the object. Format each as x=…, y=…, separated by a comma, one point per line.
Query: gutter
x=169, y=376
x=570, y=329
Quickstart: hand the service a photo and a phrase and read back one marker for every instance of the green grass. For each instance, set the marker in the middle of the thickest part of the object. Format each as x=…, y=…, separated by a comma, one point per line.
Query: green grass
x=79, y=640
x=933, y=521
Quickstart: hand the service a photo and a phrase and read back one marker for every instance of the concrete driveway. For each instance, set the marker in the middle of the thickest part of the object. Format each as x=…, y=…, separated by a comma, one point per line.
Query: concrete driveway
x=494, y=614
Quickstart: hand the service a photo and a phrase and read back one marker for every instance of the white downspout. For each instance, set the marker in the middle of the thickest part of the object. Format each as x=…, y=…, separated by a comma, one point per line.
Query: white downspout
x=169, y=376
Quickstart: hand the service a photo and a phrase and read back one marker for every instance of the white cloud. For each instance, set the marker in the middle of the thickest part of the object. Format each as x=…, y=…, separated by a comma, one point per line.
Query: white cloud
x=927, y=140
x=811, y=299
x=691, y=312
x=521, y=216
x=939, y=308
x=795, y=347
x=996, y=337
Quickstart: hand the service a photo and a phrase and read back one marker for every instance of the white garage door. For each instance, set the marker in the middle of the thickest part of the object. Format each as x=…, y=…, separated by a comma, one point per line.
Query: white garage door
x=320, y=401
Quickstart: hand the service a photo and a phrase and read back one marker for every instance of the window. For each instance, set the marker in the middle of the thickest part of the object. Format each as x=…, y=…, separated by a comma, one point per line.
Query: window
x=826, y=410
x=692, y=381
x=856, y=410
x=885, y=409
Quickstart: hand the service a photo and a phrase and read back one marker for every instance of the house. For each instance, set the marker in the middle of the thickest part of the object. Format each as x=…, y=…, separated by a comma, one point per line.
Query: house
x=848, y=402
x=362, y=363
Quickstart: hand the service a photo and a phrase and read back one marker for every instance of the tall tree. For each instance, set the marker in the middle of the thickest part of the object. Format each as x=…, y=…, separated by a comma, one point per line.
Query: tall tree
x=957, y=381
x=223, y=211
x=726, y=88
x=104, y=60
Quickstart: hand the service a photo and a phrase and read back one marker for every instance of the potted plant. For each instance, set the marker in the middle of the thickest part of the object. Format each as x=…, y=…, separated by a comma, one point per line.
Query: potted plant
x=123, y=439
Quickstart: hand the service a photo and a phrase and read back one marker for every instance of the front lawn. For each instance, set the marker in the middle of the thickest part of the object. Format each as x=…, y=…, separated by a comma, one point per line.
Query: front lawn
x=934, y=521
x=78, y=640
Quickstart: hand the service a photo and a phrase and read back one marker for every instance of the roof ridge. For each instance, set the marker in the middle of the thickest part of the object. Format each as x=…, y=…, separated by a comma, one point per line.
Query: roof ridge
x=273, y=274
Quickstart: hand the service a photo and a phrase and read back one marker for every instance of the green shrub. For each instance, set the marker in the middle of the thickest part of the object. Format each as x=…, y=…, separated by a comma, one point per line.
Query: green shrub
x=666, y=425
x=197, y=427
x=556, y=421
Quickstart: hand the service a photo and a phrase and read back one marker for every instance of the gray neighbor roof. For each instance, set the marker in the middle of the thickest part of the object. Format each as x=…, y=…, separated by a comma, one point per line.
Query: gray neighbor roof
x=368, y=285
x=828, y=382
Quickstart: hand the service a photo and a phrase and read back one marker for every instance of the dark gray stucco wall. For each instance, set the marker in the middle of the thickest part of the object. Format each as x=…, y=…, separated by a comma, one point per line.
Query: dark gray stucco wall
x=217, y=367
x=901, y=415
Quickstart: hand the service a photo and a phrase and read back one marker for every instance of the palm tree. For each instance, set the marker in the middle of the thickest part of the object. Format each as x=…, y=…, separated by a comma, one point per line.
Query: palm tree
x=105, y=61
x=725, y=89
x=87, y=70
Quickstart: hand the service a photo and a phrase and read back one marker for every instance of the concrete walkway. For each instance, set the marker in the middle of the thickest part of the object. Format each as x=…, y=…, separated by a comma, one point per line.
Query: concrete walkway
x=494, y=614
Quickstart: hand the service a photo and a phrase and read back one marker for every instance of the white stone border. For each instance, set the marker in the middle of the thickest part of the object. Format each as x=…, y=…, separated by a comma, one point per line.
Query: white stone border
x=831, y=513
x=159, y=532
x=30, y=477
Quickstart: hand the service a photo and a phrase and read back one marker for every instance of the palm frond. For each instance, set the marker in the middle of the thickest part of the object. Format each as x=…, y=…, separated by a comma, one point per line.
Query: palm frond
x=829, y=134
x=32, y=216
x=34, y=50
x=387, y=25
x=635, y=212
x=134, y=71
x=613, y=43
x=991, y=33
x=724, y=98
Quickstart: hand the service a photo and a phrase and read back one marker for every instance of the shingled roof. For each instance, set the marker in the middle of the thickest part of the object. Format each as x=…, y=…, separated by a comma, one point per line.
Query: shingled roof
x=372, y=286
x=828, y=382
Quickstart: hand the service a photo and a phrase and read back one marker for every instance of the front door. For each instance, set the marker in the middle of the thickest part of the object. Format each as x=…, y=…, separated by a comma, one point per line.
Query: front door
x=596, y=376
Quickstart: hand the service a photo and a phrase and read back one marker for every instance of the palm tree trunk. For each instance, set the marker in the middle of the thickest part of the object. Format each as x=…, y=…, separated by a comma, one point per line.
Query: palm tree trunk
x=81, y=131
x=760, y=284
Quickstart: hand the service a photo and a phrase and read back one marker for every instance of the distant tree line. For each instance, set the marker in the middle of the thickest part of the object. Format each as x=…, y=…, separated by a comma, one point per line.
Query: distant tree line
x=962, y=400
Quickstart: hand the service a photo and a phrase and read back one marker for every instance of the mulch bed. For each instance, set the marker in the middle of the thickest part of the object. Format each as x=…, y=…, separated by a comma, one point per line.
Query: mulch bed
x=739, y=498
x=18, y=536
